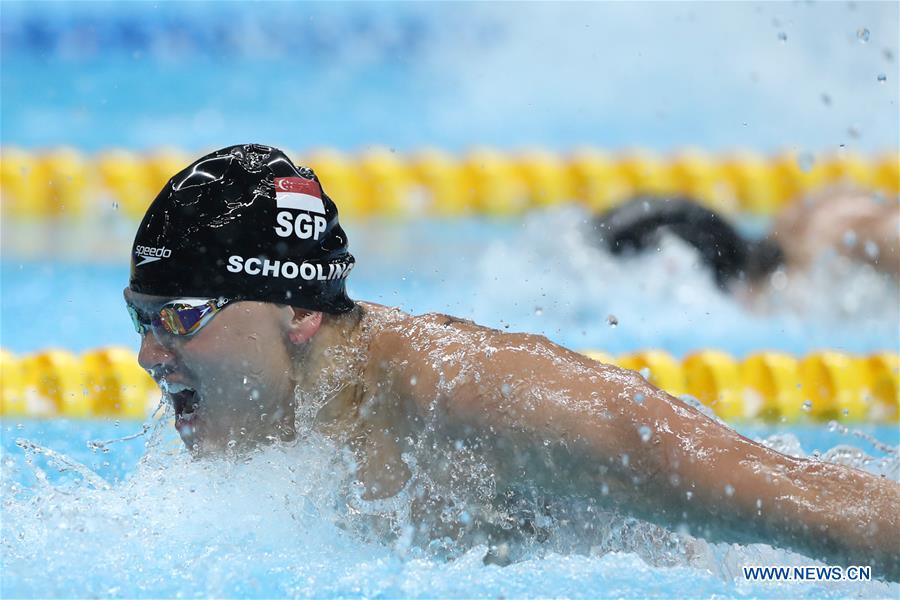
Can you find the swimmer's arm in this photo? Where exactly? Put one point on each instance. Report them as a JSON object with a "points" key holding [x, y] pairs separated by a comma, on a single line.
{"points": [[884, 232], [684, 468], [744, 492], [698, 472]]}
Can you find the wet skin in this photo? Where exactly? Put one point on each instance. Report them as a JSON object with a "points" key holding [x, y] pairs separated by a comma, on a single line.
{"points": [[242, 379], [538, 413], [844, 221]]}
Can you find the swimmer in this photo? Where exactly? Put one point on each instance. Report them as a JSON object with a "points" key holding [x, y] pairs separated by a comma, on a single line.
{"points": [[237, 288], [843, 221]]}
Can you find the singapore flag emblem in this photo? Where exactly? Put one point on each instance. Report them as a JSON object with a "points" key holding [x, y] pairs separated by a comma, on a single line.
{"points": [[299, 193]]}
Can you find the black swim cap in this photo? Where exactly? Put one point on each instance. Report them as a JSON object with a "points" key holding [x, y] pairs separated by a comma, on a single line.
{"points": [[244, 223], [635, 225]]}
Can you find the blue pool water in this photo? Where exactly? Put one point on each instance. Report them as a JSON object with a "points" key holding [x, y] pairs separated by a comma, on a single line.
{"points": [[540, 274], [130, 521], [405, 75]]}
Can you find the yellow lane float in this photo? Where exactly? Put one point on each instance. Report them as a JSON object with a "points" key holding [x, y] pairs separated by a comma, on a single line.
{"points": [[63, 183], [767, 386]]}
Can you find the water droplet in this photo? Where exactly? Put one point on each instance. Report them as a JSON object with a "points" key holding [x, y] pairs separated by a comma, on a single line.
{"points": [[826, 99], [759, 503], [871, 249], [538, 311], [625, 460], [232, 443], [115, 205], [778, 280], [645, 433], [807, 405], [729, 490], [849, 238], [639, 398], [805, 161], [882, 78], [862, 34], [604, 489], [782, 37], [645, 373], [689, 494], [832, 425], [612, 320], [853, 132], [254, 393], [506, 389], [413, 380]]}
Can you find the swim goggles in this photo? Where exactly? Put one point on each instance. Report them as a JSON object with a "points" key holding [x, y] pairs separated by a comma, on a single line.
{"points": [[182, 317]]}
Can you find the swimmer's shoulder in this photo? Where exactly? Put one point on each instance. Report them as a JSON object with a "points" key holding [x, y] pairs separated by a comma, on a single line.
{"points": [[402, 338], [410, 342], [447, 331], [415, 336]]}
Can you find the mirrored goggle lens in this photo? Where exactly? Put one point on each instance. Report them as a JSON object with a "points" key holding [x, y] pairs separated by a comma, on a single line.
{"points": [[180, 317], [185, 319]]}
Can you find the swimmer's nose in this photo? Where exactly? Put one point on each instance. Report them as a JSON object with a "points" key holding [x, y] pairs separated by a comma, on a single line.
{"points": [[154, 356]]}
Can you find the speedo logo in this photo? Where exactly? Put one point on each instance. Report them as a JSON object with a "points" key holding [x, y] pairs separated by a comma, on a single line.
{"points": [[149, 254], [288, 269]]}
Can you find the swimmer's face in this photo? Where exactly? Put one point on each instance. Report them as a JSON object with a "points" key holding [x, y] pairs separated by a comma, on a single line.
{"points": [[230, 381]]}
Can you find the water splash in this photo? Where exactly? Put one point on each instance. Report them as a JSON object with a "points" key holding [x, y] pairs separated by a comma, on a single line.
{"points": [[668, 298], [289, 520]]}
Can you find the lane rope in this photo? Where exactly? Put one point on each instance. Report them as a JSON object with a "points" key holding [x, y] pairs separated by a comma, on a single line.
{"points": [[64, 183], [767, 386]]}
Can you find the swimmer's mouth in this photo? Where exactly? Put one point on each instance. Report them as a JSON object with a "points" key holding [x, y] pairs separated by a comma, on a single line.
{"points": [[185, 400]]}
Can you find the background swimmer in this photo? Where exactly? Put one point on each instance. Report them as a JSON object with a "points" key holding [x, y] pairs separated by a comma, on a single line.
{"points": [[267, 349], [837, 221]]}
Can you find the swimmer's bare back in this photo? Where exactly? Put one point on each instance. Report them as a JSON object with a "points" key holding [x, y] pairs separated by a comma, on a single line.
{"points": [[606, 432], [848, 221]]}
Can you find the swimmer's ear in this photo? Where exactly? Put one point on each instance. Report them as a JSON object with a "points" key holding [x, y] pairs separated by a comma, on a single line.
{"points": [[303, 325]]}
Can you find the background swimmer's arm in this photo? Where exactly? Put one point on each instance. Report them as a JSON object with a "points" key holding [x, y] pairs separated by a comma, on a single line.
{"points": [[649, 453], [848, 221]]}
